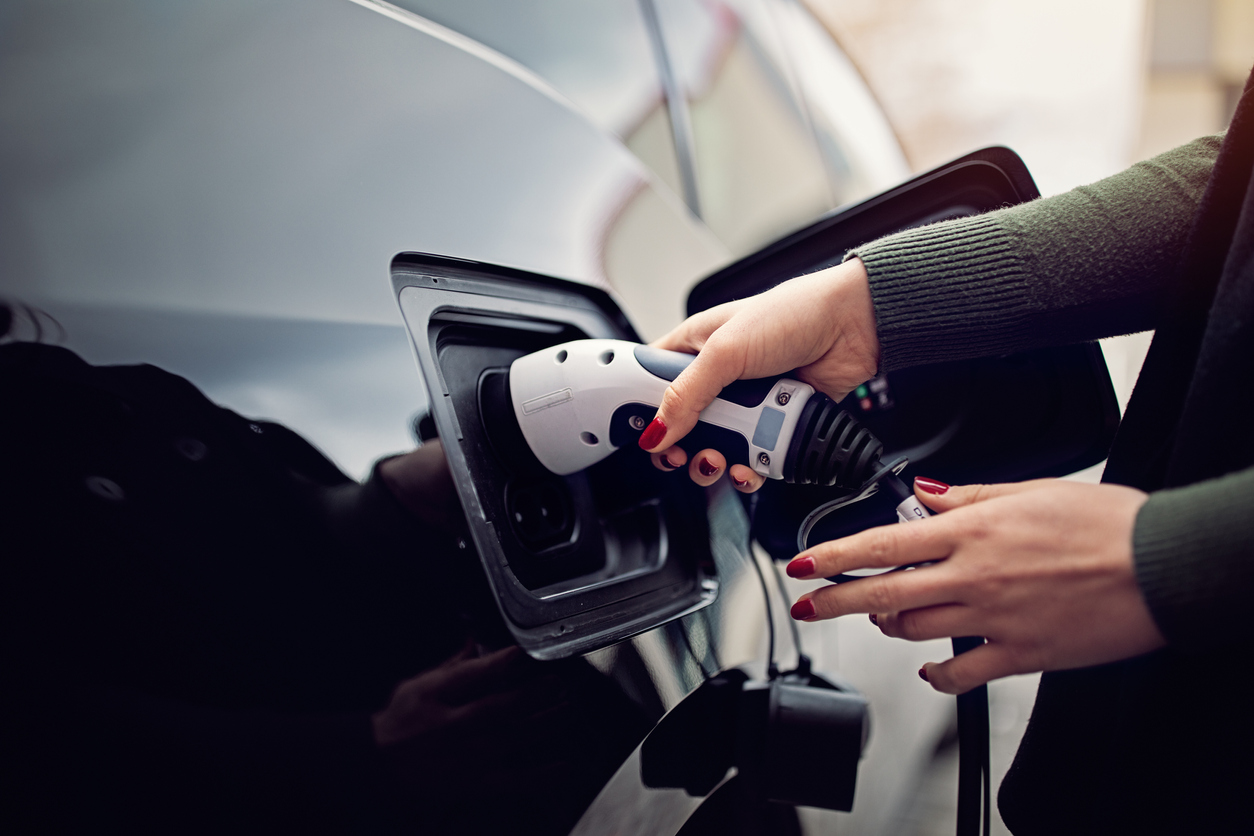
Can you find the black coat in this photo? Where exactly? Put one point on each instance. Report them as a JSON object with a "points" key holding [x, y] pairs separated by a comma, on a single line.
{"points": [[1164, 743], [200, 611]]}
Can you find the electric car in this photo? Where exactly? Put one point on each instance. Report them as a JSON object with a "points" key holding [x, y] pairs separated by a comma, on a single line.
{"points": [[323, 211]]}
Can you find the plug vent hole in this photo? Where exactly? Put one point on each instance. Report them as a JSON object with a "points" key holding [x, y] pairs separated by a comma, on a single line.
{"points": [[561, 356], [606, 358], [589, 439]]}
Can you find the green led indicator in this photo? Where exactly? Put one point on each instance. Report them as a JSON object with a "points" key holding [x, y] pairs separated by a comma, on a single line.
{"points": [[861, 391]]}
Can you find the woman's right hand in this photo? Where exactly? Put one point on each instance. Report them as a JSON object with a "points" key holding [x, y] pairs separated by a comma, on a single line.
{"points": [[822, 325], [463, 729]]}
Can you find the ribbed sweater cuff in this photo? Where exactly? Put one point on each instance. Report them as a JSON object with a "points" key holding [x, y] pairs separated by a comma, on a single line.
{"points": [[947, 291], [1194, 549]]}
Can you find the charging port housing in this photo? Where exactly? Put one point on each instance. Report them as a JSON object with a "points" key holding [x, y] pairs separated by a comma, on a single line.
{"points": [[575, 562]]}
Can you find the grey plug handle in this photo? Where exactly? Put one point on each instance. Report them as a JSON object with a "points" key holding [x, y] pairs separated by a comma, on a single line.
{"points": [[668, 364]]}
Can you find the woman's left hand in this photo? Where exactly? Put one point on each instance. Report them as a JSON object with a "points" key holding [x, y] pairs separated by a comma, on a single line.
{"points": [[1043, 570], [423, 484]]}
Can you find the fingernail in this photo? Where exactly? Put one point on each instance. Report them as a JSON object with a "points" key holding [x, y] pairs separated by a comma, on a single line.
{"points": [[802, 610], [800, 567], [932, 486], [668, 464], [874, 619], [653, 434], [707, 467], [739, 483], [923, 674]]}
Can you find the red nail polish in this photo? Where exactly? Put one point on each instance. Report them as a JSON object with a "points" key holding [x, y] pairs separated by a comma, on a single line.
{"points": [[739, 483], [706, 467], [800, 567], [923, 674], [874, 619], [667, 463], [932, 486], [653, 434], [802, 610]]}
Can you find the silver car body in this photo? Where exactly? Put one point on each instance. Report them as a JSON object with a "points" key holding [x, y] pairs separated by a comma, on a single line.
{"points": [[218, 187]]}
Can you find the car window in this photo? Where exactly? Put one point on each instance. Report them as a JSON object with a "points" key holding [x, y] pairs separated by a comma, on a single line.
{"points": [[758, 168], [859, 147], [595, 52]]}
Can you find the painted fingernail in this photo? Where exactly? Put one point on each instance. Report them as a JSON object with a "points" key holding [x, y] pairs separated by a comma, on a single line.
{"points": [[874, 619], [800, 567], [739, 483], [707, 467], [653, 434], [668, 464], [802, 610], [933, 486], [923, 674]]}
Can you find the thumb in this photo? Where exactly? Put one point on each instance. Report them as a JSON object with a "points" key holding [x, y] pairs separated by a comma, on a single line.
{"points": [[971, 669], [941, 497], [693, 390], [464, 653]]}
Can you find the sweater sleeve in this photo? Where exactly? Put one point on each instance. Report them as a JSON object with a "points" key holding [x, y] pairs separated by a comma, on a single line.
{"points": [[1193, 547], [1078, 266]]}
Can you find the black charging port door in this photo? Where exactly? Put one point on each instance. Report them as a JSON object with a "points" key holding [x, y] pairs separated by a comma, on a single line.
{"points": [[1045, 412], [575, 562]]}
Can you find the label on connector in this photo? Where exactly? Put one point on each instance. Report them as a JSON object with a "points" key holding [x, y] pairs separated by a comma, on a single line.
{"points": [[911, 509], [545, 401], [766, 433]]}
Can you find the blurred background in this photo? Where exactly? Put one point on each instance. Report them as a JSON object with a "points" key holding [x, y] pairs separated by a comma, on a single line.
{"points": [[1080, 90]]}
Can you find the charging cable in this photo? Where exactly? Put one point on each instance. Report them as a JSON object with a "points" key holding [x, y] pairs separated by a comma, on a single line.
{"points": [[974, 777]]}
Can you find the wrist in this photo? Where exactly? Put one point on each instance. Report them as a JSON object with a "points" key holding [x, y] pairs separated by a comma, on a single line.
{"points": [[849, 302]]}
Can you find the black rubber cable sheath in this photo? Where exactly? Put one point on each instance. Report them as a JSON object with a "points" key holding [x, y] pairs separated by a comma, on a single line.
{"points": [[974, 780]]}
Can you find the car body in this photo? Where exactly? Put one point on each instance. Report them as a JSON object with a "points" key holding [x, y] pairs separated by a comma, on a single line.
{"points": [[219, 188]]}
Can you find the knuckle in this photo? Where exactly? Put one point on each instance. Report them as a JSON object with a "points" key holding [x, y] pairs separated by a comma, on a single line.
{"points": [[879, 596], [990, 585], [976, 526], [674, 400], [881, 546], [1029, 658], [978, 493], [908, 627], [726, 352]]}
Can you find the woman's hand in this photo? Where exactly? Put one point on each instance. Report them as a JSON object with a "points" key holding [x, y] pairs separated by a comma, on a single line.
{"points": [[463, 729], [822, 325], [1043, 569], [421, 481]]}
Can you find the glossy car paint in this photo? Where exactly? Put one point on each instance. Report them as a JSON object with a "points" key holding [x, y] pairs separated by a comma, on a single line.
{"points": [[182, 168], [218, 188]]}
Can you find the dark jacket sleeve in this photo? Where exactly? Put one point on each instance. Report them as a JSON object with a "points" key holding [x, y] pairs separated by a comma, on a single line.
{"points": [[1194, 550], [1092, 262]]}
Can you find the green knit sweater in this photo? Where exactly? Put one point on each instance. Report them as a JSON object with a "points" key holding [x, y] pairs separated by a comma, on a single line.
{"points": [[1093, 262]]}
